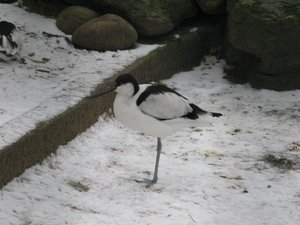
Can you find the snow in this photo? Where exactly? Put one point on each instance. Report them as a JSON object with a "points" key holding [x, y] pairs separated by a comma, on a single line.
{"points": [[208, 176], [213, 175], [194, 29], [50, 75]]}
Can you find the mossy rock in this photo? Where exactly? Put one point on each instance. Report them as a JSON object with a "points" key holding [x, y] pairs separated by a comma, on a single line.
{"points": [[108, 32], [73, 17], [270, 10], [267, 34], [148, 17]]}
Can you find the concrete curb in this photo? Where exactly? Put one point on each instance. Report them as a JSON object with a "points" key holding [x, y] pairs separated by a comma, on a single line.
{"points": [[177, 55]]}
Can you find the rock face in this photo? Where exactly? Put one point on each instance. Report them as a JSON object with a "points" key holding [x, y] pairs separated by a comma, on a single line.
{"points": [[263, 43], [108, 32], [148, 17], [73, 17]]}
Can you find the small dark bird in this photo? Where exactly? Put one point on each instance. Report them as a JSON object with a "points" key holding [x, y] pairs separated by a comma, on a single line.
{"points": [[10, 40], [155, 110]]}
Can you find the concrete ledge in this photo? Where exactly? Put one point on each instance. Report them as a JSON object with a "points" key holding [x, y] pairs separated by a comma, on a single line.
{"points": [[178, 55]]}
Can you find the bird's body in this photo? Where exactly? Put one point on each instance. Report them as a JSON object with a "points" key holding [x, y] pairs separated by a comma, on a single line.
{"points": [[10, 40], [155, 110], [162, 113]]}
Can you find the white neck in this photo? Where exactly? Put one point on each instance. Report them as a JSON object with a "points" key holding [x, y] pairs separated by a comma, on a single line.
{"points": [[126, 90]]}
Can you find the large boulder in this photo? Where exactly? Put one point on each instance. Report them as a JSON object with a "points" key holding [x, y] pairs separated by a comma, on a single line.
{"points": [[108, 32], [73, 17], [266, 34], [148, 17]]}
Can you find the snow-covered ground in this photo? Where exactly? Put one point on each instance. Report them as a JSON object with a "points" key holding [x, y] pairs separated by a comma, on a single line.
{"points": [[50, 74], [243, 170], [217, 175]]}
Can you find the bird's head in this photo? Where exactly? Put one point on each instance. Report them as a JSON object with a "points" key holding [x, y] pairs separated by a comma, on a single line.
{"points": [[125, 84]]}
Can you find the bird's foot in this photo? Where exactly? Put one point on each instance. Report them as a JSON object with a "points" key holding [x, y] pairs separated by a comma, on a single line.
{"points": [[148, 182]]}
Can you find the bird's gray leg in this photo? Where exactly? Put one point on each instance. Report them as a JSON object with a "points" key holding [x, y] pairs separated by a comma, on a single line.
{"points": [[155, 177]]}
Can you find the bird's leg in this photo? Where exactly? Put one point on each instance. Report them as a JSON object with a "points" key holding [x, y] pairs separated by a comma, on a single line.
{"points": [[149, 182]]}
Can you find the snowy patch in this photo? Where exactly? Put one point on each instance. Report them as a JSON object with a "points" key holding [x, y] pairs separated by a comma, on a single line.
{"points": [[194, 29], [176, 36]]}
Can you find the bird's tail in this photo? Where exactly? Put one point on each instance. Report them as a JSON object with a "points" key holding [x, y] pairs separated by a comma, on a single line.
{"points": [[216, 114]]}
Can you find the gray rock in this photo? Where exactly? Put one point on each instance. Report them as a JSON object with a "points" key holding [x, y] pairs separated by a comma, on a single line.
{"points": [[267, 34], [73, 17], [108, 32]]}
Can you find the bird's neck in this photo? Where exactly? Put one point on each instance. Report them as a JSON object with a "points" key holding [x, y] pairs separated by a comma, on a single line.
{"points": [[136, 87], [128, 90]]}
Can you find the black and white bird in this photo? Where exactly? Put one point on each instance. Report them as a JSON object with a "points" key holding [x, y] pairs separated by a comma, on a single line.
{"points": [[155, 110], [10, 40]]}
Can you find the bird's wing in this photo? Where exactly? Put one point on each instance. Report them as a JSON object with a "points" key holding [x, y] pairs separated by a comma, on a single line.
{"points": [[11, 43], [163, 103]]}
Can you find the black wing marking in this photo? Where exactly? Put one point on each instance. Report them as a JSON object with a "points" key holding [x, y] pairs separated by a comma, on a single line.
{"points": [[9, 38], [164, 103], [155, 89], [196, 111]]}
